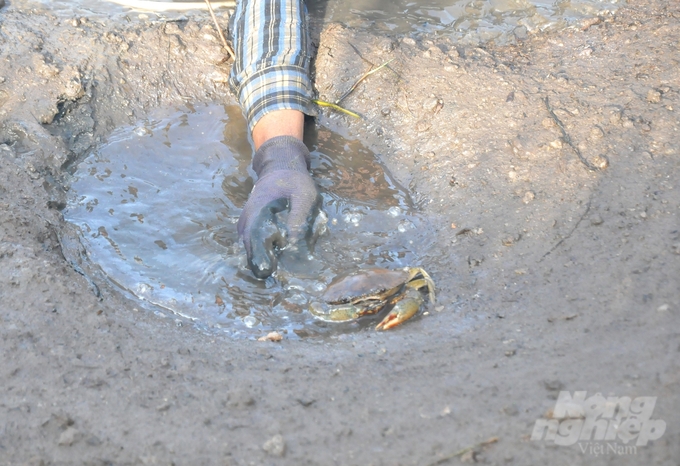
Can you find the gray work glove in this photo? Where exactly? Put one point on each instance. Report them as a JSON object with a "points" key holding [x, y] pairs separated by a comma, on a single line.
{"points": [[284, 183]]}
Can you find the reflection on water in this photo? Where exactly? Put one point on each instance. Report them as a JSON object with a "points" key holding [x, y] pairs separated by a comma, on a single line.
{"points": [[466, 21], [469, 21], [158, 205]]}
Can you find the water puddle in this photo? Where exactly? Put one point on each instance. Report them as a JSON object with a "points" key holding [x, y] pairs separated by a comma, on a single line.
{"points": [[158, 203], [466, 21]]}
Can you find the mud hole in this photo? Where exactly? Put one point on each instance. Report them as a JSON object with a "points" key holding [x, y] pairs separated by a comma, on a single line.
{"points": [[551, 276]]}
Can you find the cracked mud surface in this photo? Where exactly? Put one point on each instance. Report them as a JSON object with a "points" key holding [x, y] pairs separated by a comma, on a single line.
{"points": [[551, 276]]}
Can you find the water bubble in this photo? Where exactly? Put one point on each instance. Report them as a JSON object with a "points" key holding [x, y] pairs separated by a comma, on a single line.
{"points": [[297, 299], [295, 284], [143, 288], [141, 131], [394, 211], [317, 307], [318, 286], [405, 225], [250, 321], [352, 217], [320, 226]]}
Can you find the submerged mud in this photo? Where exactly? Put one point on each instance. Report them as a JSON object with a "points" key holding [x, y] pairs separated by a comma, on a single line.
{"points": [[551, 276]]}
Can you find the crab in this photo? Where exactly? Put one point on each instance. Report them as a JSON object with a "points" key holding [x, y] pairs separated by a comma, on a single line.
{"points": [[370, 291]]}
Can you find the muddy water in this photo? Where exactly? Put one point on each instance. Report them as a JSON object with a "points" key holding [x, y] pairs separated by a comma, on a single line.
{"points": [[158, 203], [469, 21], [466, 21]]}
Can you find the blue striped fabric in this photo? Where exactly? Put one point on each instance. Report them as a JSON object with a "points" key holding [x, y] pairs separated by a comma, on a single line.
{"points": [[271, 72]]}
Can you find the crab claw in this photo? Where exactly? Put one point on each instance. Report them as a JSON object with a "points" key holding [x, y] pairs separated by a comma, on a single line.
{"points": [[401, 312]]}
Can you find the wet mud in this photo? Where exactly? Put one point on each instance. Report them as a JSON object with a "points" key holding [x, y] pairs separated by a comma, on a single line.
{"points": [[540, 179]]}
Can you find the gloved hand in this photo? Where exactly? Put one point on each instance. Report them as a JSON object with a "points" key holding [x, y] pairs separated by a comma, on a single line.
{"points": [[284, 183]]}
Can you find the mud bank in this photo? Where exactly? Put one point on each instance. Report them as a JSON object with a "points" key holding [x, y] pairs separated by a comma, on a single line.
{"points": [[551, 276]]}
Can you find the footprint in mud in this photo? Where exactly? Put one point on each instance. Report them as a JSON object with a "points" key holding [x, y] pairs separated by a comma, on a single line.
{"points": [[157, 206]]}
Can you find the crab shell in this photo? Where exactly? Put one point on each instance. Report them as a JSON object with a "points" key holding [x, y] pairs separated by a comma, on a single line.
{"points": [[367, 284]]}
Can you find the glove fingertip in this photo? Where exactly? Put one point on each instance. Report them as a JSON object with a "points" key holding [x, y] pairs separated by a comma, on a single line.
{"points": [[261, 240], [262, 266]]}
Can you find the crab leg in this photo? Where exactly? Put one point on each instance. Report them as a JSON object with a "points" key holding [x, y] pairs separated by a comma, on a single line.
{"points": [[423, 283], [426, 281], [403, 310], [409, 303], [343, 313]]}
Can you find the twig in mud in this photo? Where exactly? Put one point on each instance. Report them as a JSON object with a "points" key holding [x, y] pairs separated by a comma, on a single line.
{"points": [[370, 62], [405, 106], [567, 139], [364, 76], [465, 450], [227, 47], [322, 103], [336, 105], [359, 53], [570, 233]]}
